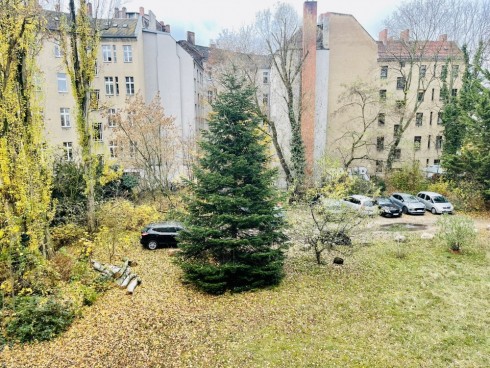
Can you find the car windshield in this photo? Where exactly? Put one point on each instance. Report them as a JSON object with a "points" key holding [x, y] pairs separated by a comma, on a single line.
{"points": [[384, 202], [411, 199], [440, 199]]}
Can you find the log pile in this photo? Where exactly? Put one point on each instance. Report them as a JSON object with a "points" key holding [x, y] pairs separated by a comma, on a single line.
{"points": [[122, 276]]}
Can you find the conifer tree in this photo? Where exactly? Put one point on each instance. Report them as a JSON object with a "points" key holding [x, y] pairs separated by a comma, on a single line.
{"points": [[234, 238]]}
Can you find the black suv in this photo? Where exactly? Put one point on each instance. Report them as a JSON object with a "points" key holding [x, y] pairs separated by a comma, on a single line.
{"points": [[162, 233]]}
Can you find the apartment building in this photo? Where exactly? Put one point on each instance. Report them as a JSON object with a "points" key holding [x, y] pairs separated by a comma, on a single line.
{"points": [[137, 54]]}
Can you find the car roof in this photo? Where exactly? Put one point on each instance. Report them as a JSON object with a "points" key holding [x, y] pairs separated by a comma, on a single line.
{"points": [[431, 193], [358, 196], [166, 224], [403, 194]]}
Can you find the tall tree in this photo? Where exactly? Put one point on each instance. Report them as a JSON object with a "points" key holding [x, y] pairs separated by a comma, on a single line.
{"points": [[80, 37], [467, 128], [25, 176], [272, 42], [234, 229]]}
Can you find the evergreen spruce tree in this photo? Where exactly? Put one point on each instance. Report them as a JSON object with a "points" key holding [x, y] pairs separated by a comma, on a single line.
{"points": [[234, 237]]}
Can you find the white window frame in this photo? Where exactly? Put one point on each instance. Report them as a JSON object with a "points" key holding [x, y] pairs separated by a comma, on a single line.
{"points": [[68, 148], [62, 82], [97, 128], [109, 86], [111, 117], [107, 53], [265, 77], [128, 53], [65, 117], [130, 86], [57, 50], [113, 148]]}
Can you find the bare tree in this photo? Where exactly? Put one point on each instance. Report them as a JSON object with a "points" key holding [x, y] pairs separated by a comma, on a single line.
{"points": [[149, 142], [359, 110], [465, 21]]}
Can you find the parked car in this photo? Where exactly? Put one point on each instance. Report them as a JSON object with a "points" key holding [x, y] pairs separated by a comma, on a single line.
{"points": [[363, 204], [388, 208], [435, 202], [408, 203], [160, 234]]}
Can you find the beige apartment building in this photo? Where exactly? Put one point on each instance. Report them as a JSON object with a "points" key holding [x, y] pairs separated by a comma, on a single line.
{"points": [[137, 54]]}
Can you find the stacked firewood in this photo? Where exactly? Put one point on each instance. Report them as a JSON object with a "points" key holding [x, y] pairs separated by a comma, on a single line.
{"points": [[122, 276]]}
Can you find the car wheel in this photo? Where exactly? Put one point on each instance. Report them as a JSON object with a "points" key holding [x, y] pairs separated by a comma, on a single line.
{"points": [[405, 210], [152, 245], [433, 210]]}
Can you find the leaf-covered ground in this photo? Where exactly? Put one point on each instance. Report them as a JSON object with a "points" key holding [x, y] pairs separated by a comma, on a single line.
{"points": [[420, 306]]}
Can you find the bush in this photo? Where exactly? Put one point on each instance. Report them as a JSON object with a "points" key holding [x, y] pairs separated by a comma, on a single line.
{"points": [[67, 234], [409, 179], [456, 231], [35, 318], [465, 196]]}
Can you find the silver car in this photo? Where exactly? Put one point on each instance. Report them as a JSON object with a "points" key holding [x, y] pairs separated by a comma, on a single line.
{"points": [[435, 202], [408, 203]]}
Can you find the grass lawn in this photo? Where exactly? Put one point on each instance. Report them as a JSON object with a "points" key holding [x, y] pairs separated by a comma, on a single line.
{"points": [[390, 305]]}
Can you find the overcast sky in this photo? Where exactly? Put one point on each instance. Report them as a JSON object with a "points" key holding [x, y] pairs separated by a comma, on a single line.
{"points": [[207, 17]]}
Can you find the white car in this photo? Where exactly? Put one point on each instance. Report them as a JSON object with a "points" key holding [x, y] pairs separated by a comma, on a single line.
{"points": [[435, 202], [365, 205]]}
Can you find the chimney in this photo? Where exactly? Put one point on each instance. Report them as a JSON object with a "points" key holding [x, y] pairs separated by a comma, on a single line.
{"points": [[383, 36], [116, 13], [405, 35], [443, 38], [166, 29], [308, 82], [123, 13], [89, 9], [191, 37], [142, 11]]}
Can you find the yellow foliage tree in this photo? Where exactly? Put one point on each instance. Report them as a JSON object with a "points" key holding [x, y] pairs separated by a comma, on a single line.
{"points": [[25, 174]]}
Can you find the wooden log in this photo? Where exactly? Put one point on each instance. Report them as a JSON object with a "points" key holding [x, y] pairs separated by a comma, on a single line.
{"points": [[102, 268], [127, 280], [121, 279], [122, 269], [132, 285]]}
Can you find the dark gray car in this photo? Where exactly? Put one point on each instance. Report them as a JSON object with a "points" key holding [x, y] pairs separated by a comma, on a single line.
{"points": [[160, 234]]}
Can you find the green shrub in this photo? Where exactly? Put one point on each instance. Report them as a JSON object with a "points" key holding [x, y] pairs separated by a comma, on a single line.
{"points": [[456, 231], [35, 318], [67, 234], [409, 179]]}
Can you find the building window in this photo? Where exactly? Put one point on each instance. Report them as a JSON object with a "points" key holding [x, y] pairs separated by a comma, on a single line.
{"points": [[439, 118], [400, 104], [402, 64], [433, 94], [65, 117], [423, 71], [116, 82], [455, 71], [382, 94], [128, 53], [437, 162], [420, 96], [68, 148], [113, 148], [400, 83], [132, 149], [94, 99], [210, 97], [419, 117], [97, 133], [417, 142], [380, 143], [396, 130], [62, 83], [427, 162], [107, 53], [130, 85], [381, 119], [114, 53], [454, 92], [443, 71], [111, 118], [428, 141], [384, 72], [57, 50], [265, 77], [379, 166], [96, 65], [430, 119], [439, 142], [398, 153], [265, 98], [109, 85]]}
